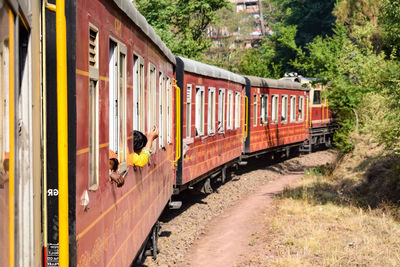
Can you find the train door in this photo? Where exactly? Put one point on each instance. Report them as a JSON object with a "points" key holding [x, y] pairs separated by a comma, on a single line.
{"points": [[19, 193], [5, 194]]}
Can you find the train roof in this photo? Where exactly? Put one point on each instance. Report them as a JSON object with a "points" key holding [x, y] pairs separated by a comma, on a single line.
{"points": [[280, 84], [211, 71], [130, 10]]}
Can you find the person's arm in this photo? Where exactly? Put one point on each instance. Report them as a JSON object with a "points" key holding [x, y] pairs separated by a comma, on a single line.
{"points": [[117, 178]]}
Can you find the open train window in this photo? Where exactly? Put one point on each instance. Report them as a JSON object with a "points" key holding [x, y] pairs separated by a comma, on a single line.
{"points": [[264, 109], [274, 109], [230, 111], [199, 110], [237, 110], [317, 97], [292, 108], [169, 112], [221, 110], [152, 100], [138, 93], [117, 97], [188, 109], [284, 109], [93, 109], [211, 110], [301, 108], [255, 110], [161, 98]]}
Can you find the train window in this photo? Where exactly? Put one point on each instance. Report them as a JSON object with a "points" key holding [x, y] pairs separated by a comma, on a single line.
{"points": [[93, 47], [229, 125], [199, 110], [221, 110], [292, 108], [255, 110], [122, 106], [138, 93], [93, 135], [317, 97], [237, 110], [117, 91], [169, 105], [284, 109], [113, 97], [274, 109], [264, 109], [161, 97], [301, 108], [211, 110], [188, 109], [93, 110], [152, 97]]}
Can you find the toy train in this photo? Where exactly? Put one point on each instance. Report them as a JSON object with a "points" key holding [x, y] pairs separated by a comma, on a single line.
{"points": [[77, 77]]}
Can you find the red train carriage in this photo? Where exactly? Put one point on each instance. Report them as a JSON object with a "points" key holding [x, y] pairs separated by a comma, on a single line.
{"points": [[212, 121], [277, 115], [321, 125], [123, 75]]}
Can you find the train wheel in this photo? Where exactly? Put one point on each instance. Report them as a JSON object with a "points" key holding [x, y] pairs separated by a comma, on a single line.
{"points": [[223, 174], [154, 240], [328, 142]]}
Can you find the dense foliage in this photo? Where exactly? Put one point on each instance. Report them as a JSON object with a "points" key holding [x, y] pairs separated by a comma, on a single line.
{"points": [[357, 57], [352, 45], [181, 24]]}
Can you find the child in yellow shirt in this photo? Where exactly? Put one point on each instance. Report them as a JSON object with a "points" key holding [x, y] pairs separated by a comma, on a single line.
{"points": [[142, 147]]}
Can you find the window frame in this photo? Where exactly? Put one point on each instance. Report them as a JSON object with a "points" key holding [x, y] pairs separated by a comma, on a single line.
{"points": [[292, 117], [199, 119], [255, 109], [211, 111], [169, 111], [221, 110], [152, 100], [229, 112], [138, 93], [188, 107], [319, 97], [274, 108], [238, 104], [93, 108], [161, 88], [301, 109], [284, 96], [119, 112]]}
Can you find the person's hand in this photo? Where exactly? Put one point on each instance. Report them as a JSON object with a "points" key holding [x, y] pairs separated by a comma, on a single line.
{"points": [[116, 178], [153, 134]]}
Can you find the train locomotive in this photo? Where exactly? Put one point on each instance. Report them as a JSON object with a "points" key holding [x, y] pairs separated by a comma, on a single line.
{"points": [[77, 78]]}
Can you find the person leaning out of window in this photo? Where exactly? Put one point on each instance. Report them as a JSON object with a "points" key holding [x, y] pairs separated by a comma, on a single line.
{"points": [[140, 156]]}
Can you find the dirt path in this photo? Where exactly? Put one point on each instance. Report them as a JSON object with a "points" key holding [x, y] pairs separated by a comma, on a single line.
{"points": [[216, 229], [230, 234]]}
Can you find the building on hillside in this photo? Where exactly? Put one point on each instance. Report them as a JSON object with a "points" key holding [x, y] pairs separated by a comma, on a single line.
{"points": [[247, 36]]}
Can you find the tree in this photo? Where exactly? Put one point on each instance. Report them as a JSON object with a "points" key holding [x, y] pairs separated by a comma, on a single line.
{"points": [[312, 17], [181, 24]]}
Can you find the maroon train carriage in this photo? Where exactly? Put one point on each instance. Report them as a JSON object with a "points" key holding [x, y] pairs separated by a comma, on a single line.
{"points": [[212, 121], [277, 115], [321, 125], [124, 81]]}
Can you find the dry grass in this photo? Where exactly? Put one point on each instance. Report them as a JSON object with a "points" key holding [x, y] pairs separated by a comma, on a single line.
{"points": [[345, 214], [330, 235]]}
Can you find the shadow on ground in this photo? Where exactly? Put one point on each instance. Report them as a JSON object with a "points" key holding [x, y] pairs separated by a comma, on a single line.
{"points": [[377, 189]]}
